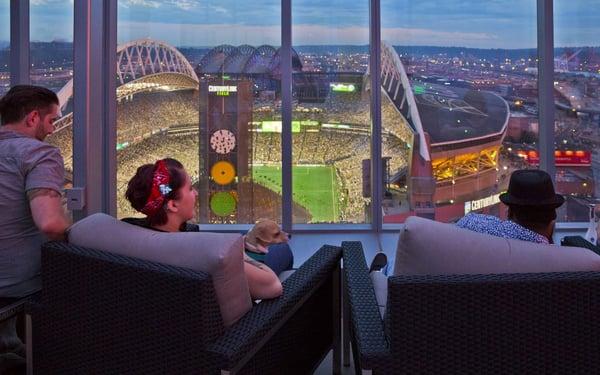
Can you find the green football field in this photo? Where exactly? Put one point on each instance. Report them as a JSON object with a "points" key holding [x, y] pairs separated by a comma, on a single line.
{"points": [[314, 187]]}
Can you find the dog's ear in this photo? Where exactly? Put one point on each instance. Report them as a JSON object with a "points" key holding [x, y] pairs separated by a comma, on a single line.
{"points": [[262, 233]]}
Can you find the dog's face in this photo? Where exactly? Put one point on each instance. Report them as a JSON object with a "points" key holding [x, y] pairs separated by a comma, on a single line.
{"points": [[268, 232]]}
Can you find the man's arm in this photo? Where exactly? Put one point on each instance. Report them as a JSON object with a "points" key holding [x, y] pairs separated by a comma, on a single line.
{"points": [[48, 214]]}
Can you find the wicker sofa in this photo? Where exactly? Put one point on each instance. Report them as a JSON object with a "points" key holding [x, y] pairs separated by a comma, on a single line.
{"points": [[103, 313], [506, 323]]}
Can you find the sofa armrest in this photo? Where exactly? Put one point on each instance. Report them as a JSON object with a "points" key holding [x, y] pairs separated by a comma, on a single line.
{"points": [[369, 340], [578, 241], [246, 337]]}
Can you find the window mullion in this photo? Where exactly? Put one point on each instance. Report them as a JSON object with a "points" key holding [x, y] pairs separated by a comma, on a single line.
{"points": [[19, 42], [545, 41], [286, 113], [375, 77]]}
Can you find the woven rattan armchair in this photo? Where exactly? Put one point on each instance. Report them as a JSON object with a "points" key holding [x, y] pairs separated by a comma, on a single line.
{"points": [[102, 313], [545, 323]]}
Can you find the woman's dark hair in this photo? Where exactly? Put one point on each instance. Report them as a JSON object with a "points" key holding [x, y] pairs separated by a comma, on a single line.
{"points": [[140, 186], [22, 99]]}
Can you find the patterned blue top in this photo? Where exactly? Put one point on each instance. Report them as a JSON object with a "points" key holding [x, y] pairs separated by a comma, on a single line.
{"points": [[492, 225]]}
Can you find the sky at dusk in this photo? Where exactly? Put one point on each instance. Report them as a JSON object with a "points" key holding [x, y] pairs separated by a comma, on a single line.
{"points": [[466, 23]]}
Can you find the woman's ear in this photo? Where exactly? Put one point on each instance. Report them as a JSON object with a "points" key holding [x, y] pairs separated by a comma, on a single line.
{"points": [[172, 206]]}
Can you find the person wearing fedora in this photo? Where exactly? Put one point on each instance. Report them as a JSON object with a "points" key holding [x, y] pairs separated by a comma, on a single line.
{"points": [[532, 204]]}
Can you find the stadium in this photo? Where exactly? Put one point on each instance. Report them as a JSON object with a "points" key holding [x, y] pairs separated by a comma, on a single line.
{"points": [[441, 144]]}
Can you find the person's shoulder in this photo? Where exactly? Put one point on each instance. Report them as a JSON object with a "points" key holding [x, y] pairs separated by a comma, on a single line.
{"points": [[477, 218], [41, 146], [519, 232], [34, 149]]}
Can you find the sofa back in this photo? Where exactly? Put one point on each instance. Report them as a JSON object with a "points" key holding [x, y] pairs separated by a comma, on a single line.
{"points": [[218, 254], [427, 247]]}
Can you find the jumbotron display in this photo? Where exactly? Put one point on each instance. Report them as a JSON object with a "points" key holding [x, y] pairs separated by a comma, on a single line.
{"points": [[225, 116]]}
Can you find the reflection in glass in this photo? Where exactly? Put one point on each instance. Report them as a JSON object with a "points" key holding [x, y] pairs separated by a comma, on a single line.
{"points": [[200, 82], [4, 46], [459, 101], [51, 57], [577, 106], [331, 117]]}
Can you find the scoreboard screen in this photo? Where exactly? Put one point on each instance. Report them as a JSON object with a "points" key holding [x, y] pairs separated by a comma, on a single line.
{"points": [[342, 87]]}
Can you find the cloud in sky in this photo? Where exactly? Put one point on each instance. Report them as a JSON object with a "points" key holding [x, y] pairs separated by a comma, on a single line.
{"points": [[49, 2], [470, 23], [143, 3], [211, 35], [415, 37], [200, 35], [181, 4]]}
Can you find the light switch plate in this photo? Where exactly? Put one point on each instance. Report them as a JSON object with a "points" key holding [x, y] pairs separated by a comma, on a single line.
{"points": [[75, 198]]}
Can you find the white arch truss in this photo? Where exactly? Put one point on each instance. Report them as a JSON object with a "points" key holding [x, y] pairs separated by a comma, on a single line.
{"points": [[139, 58], [397, 87]]}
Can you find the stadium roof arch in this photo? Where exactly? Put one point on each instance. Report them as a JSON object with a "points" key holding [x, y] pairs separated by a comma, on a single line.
{"points": [[144, 64], [245, 59], [451, 117], [397, 87], [260, 60]]}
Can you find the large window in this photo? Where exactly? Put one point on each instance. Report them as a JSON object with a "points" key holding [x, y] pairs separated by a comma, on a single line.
{"points": [[200, 82], [51, 58], [331, 125], [51, 44], [4, 46], [577, 106], [459, 104]]}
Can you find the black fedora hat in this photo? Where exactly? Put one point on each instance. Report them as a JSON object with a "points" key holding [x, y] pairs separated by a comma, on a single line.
{"points": [[531, 187]]}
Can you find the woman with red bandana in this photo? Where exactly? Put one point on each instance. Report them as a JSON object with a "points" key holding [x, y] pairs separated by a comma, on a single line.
{"points": [[163, 192]]}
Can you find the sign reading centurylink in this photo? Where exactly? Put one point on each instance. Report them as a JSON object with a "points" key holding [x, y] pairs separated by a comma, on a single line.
{"points": [[482, 203], [222, 90]]}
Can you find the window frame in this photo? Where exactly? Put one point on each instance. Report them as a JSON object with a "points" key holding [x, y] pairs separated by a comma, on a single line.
{"points": [[95, 107]]}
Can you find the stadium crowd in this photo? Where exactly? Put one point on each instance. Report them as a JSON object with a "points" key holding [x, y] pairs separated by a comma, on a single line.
{"points": [[393, 122], [150, 112], [138, 118], [144, 118]]}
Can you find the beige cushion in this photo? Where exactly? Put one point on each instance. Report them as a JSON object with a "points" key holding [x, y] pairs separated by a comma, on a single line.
{"points": [[428, 247], [218, 254]]}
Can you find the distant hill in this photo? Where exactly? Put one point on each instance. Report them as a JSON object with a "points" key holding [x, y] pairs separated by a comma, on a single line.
{"points": [[332, 49], [49, 53], [489, 54]]}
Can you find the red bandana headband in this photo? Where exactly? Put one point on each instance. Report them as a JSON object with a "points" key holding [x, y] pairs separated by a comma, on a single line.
{"points": [[160, 189]]}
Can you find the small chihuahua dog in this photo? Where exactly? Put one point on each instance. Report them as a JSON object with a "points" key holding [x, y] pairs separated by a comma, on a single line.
{"points": [[264, 233]]}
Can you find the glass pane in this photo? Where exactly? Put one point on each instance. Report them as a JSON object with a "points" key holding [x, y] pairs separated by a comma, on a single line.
{"points": [[4, 46], [331, 117], [197, 82], [577, 106], [51, 57], [459, 104]]}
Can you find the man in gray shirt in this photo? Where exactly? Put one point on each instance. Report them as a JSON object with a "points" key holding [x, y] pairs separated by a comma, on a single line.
{"points": [[31, 180]]}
